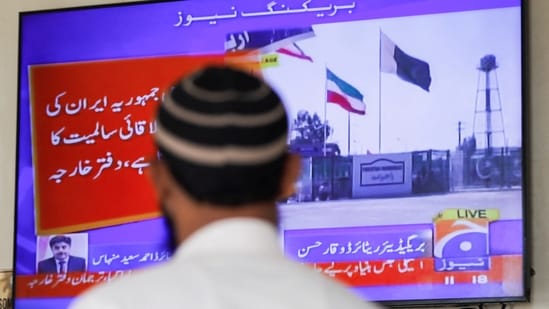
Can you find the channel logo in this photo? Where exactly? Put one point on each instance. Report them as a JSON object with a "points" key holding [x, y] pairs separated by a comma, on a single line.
{"points": [[461, 239]]}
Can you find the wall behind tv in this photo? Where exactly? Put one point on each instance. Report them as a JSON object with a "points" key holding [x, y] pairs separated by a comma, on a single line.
{"points": [[538, 126], [9, 23]]}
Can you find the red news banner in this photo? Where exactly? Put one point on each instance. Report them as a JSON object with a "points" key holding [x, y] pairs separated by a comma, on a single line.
{"points": [[92, 126], [505, 270]]}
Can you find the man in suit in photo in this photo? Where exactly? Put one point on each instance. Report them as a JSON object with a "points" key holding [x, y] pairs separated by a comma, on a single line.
{"points": [[61, 262]]}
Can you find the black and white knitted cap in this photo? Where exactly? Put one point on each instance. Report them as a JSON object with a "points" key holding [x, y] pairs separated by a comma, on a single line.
{"points": [[220, 122]]}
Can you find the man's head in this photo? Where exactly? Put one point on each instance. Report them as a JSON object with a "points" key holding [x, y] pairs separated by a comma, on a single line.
{"points": [[60, 246], [222, 134], [222, 141]]}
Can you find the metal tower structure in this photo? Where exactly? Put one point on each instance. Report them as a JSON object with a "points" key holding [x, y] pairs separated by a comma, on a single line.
{"points": [[486, 121]]}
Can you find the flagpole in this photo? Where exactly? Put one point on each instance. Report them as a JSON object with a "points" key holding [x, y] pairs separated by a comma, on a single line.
{"points": [[325, 103], [348, 133], [379, 95]]}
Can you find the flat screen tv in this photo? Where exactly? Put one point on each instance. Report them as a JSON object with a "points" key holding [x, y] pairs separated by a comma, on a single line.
{"points": [[408, 115]]}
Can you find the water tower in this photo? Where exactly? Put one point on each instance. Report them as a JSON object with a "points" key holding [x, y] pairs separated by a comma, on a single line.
{"points": [[488, 119]]}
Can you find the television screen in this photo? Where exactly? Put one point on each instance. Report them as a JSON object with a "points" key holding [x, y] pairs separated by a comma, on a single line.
{"points": [[407, 114]]}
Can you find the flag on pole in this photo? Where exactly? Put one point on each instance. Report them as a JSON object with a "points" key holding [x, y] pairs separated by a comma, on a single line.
{"points": [[276, 40], [294, 51], [394, 60], [342, 93]]}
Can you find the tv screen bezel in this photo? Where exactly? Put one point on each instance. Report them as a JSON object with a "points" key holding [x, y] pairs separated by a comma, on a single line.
{"points": [[526, 164]]}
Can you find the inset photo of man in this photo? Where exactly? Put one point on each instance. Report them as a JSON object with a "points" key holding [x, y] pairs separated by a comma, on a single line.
{"points": [[62, 253]]}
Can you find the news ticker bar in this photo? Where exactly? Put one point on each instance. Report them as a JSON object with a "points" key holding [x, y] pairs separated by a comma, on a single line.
{"points": [[460, 237], [355, 274], [312, 246], [420, 271]]}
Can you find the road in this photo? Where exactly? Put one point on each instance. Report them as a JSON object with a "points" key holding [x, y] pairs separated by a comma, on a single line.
{"points": [[394, 211]]}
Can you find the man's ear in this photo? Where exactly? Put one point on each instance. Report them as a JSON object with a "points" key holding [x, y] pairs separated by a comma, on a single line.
{"points": [[160, 179], [292, 168]]}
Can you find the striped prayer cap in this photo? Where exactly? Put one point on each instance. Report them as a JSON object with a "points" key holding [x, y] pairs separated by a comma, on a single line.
{"points": [[223, 132]]}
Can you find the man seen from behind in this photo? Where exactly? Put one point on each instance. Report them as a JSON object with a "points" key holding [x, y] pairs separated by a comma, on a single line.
{"points": [[223, 164]]}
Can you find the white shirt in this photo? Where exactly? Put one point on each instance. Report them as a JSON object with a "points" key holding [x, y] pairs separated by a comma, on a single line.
{"points": [[232, 263]]}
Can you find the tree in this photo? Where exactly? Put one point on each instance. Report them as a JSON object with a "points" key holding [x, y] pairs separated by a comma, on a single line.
{"points": [[307, 129]]}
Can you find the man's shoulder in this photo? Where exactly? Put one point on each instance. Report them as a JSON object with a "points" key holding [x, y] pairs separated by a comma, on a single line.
{"points": [[77, 263], [77, 258], [121, 291], [334, 293], [46, 261], [47, 265]]}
